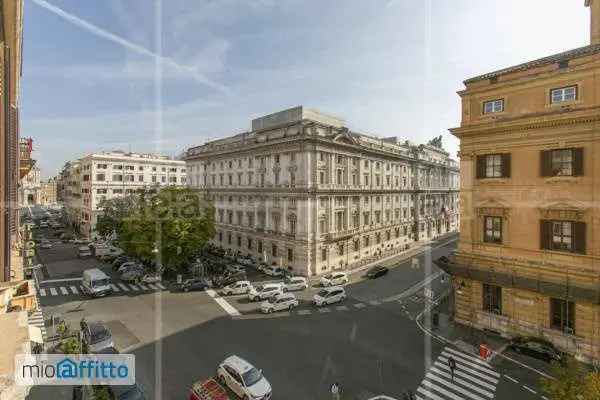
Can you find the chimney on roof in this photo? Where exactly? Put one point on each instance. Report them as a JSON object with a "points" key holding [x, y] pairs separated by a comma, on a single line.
{"points": [[594, 6]]}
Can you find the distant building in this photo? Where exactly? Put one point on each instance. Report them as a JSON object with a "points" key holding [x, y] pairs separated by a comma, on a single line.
{"points": [[30, 188], [84, 183], [303, 191], [48, 192], [528, 258]]}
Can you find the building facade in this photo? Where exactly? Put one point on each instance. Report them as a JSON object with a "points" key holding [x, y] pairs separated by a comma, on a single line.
{"points": [[48, 192], [11, 36], [30, 189], [85, 183], [528, 258], [302, 191]]}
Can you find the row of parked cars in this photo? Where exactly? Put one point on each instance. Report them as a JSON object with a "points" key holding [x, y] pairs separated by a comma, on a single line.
{"points": [[131, 270]]}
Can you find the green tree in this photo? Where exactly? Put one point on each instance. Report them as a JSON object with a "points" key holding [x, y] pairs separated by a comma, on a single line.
{"points": [[101, 393], [592, 386], [173, 224], [71, 346], [568, 382], [113, 212]]}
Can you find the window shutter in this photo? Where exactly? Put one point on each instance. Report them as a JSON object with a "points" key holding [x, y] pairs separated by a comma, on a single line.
{"points": [[546, 163], [506, 165], [545, 234], [579, 242], [578, 161], [480, 167]]}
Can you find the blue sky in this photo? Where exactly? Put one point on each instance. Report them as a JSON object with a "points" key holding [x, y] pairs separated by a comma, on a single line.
{"points": [[388, 67]]}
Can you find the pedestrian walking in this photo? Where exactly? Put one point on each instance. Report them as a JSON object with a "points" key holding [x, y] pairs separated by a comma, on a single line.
{"points": [[335, 391], [452, 365]]}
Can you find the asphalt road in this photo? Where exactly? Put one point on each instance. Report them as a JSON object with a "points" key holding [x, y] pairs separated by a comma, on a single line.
{"points": [[375, 348]]}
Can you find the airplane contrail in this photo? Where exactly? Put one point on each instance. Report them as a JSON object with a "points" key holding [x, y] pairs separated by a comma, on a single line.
{"points": [[193, 72]]}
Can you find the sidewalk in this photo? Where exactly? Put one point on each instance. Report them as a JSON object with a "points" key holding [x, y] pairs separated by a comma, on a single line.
{"points": [[464, 337]]}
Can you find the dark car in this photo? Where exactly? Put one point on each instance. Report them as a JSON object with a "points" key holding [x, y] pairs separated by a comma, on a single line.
{"points": [[190, 285], [228, 279], [377, 271], [537, 348], [95, 336], [119, 261]]}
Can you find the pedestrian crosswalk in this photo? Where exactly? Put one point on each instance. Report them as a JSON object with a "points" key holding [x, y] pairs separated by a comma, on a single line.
{"points": [[70, 290], [472, 378], [37, 319]]}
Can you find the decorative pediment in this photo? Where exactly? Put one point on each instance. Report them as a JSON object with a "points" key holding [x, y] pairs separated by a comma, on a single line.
{"points": [[345, 137], [563, 210], [493, 207]]}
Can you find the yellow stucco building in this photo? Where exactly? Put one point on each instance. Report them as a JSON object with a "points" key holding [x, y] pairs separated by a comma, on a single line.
{"points": [[528, 259]]}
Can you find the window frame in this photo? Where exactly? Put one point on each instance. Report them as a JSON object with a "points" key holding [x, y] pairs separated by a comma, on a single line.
{"points": [[491, 238], [563, 318], [493, 109], [563, 89]]}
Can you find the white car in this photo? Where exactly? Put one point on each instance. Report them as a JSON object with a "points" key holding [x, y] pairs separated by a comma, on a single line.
{"points": [[329, 296], [125, 266], [273, 270], [152, 278], [244, 379], [240, 287], [265, 291], [279, 302], [45, 245], [296, 283], [334, 279]]}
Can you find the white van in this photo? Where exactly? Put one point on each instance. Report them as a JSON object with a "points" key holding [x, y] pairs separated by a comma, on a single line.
{"points": [[96, 283], [84, 252]]}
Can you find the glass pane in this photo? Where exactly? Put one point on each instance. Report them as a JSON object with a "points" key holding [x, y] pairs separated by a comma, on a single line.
{"points": [[566, 226]]}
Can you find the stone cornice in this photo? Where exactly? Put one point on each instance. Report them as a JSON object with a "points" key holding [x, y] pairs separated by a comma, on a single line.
{"points": [[540, 121]]}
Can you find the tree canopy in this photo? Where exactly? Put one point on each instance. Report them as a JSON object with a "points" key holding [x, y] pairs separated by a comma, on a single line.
{"points": [[113, 212], [168, 227], [572, 381]]}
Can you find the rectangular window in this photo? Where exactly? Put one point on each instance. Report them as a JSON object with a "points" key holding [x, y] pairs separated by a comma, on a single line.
{"points": [[562, 235], [493, 106], [492, 231], [323, 254], [117, 178], [290, 255], [562, 162], [493, 166], [260, 246], [492, 299], [560, 95], [100, 177], [274, 250], [562, 315]]}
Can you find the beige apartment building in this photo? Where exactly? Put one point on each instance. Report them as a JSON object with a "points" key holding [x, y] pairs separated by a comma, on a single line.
{"points": [[48, 192], [86, 182], [528, 258], [302, 191]]}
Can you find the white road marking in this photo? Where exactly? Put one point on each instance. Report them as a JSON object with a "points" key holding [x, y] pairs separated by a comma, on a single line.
{"points": [[60, 280], [374, 302], [160, 285], [530, 389], [469, 357], [476, 366], [416, 287], [463, 367], [428, 394], [43, 292], [466, 376], [124, 287], [151, 286], [453, 386], [74, 289], [229, 309], [324, 310], [304, 312], [114, 287], [53, 291], [359, 305], [441, 390], [64, 290], [510, 378], [342, 308], [142, 286], [133, 287], [462, 382]]}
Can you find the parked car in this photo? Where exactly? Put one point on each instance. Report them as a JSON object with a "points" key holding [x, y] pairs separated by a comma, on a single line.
{"points": [[244, 260], [190, 285], [284, 301], [334, 279], [236, 269], [273, 270], [127, 265], [84, 252], [80, 241], [240, 287], [228, 279], [538, 348], [151, 278], [245, 380], [295, 283], [261, 266], [133, 274], [95, 336], [265, 291], [120, 260], [329, 295], [377, 271]]}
